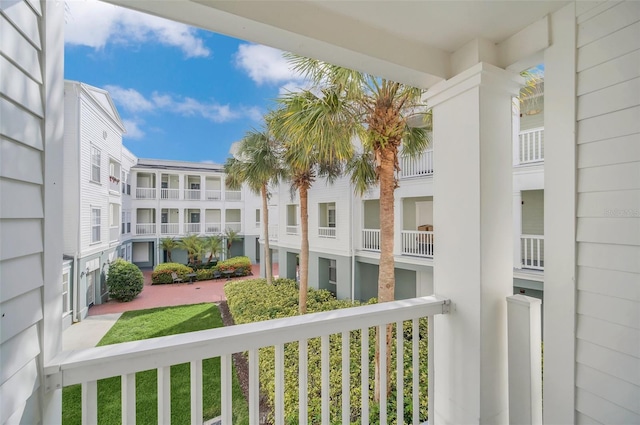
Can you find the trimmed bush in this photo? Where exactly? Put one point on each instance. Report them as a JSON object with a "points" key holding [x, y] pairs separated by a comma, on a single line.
{"points": [[204, 274], [124, 281], [253, 300], [235, 263], [162, 272]]}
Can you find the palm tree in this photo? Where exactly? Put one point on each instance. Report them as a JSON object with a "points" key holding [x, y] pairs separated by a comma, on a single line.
{"points": [[375, 110], [230, 235], [168, 244], [193, 245], [314, 144], [257, 163], [212, 244]]}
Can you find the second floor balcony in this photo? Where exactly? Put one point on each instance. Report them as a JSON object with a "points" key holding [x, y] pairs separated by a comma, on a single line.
{"points": [[419, 166], [531, 146]]}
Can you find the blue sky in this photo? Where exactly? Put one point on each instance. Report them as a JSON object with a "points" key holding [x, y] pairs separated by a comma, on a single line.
{"points": [[182, 93]]}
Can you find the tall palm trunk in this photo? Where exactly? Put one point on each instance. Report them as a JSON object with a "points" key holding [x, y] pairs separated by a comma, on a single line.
{"points": [[304, 249], [386, 276], [265, 222]]}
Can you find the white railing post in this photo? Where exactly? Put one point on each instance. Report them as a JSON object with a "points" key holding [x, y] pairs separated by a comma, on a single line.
{"points": [[525, 360]]}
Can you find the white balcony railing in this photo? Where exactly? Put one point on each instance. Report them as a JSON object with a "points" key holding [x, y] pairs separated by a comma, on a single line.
{"points": [[532, 250], [213, 195], [192, 194], [273, 233], [87, 366], [293, 229], [531, 143], [191, 228], [417, 243], [170, 228], [421, 165], [114, 184], [114, 233], [145, 193], [169, 193], [233, 195], [145, 228], [215, 228], [235, 226], [371, 239], [326, 232]]}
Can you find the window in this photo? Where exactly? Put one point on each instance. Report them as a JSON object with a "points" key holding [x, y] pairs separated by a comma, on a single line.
{"points": [[195, 186], [95, 225], [124, 219], [257, 218], [331, 215], [333, 274], [95, 164], [165, 185], [66, 296], [195, 217]]}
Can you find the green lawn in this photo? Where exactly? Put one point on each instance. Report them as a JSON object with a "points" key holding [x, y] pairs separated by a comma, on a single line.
{"points": [[144, 324]]}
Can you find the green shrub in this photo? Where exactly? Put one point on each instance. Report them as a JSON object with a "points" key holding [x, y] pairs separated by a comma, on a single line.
{"points": [[253, 300], [124, 281], [204, 274], [235, 263], [162, 272]]}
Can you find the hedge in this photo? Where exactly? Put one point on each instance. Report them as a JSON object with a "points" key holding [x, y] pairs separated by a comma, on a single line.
{"points": [[124, 281], [253, 300], [162, 272]]}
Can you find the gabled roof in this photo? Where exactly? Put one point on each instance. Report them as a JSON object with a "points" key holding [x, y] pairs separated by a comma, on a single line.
{"points": [[103, 100]]}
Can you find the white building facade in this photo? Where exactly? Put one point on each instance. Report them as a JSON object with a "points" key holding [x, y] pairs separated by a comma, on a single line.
{"points": [[591, 190]]}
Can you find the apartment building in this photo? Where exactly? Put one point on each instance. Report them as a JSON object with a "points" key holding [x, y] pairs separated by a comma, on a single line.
{"points": [[117, 205], [591, 194], [344, 227]]}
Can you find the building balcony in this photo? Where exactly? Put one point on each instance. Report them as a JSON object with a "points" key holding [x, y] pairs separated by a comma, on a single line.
{"points": [[145, 193], [419, 166], [213, 195], [417, 243], [233, 195], [192, 194], [293, 229], [273, 233], [213, 228], [169, 193], [169, 228], [235, 226], [145, 228], [532, 252], [371, 240], [191, 228], [87, 366], [114, 184], [327, 232], [531, 146]]}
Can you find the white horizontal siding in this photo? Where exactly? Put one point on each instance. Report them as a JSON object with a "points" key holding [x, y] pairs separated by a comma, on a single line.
{"points": [[24, 16], [619, 392], [616, 44], [26, 271], [609, 152], [606, 204], [15, 391], [20, 237], [613, 98], [616, 337], [16, 46], [26, 94], [23, 127], [609, 177], [13, 158], [26, 199], [18, 351], [609, 256], [619, 284], [612, 309], [19, 313], [608, 126], [614, 363], [623, 68], [602, 410], [613, 230], [607, 22]]}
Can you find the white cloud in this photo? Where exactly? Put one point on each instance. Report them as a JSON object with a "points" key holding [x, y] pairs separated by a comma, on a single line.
{"points": [[264, 64], [136, 103], [94, 23], [133, 130]]}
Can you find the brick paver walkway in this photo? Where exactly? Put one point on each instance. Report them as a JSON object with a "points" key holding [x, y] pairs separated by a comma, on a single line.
{"points": [[173, 294]]}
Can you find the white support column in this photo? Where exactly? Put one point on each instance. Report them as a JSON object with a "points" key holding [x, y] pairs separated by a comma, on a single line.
{"points": [[474, 267], [515, 125], [517, 229], [525, 360], [202, 187], [398, 225], [181, 220], [181, 187]]}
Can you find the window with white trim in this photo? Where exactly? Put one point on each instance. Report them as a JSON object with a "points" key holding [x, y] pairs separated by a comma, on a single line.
{"points": [[95, 225], [333, 273], [95, 164], [257, 217], [66, 295]]}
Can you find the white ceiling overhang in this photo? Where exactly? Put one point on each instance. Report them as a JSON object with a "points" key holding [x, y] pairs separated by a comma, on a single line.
{"points": [[414, 42]]}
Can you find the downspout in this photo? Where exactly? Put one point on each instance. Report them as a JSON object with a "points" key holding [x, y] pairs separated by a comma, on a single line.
{"points": [[353, 256], [76, 271]]}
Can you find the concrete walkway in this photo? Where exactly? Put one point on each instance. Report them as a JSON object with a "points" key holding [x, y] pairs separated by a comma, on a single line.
{"points": [[88, 332]]}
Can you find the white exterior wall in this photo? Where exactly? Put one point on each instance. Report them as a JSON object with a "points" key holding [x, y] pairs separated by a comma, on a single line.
{"points": [[607, 368], [31, 111]]}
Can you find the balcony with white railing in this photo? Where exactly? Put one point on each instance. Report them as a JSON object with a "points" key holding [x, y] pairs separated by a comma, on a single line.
{"points": [[417, 243], [169, 228], [293, 229], [233, 195], [169, 193], [213, 228], [145, 193], [327, 232], [532, 251], [342, 327], [145, 228], [371, 239], [191, 228], [235, 226], [192, 194], [213, 195], [273, 233], [421, 165], [531, 145]]}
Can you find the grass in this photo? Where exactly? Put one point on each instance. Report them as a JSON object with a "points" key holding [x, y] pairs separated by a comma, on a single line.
{"points": [[156, 322]]}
